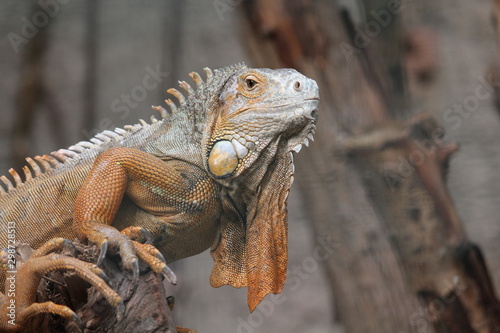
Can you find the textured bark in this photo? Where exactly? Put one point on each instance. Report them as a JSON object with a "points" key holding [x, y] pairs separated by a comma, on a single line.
{"points": [[375, 185]]}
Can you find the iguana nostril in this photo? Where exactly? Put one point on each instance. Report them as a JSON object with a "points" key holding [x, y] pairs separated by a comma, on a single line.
{"points": [[297, 86]]}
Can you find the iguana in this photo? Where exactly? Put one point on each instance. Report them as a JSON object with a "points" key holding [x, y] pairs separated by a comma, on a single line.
{"points": [[214, 172]]}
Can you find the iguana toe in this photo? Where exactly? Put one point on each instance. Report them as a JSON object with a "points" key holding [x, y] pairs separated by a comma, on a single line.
{"points": [[155, 260], [34, 309], [136, 233], [54, 244], [107, 236]]}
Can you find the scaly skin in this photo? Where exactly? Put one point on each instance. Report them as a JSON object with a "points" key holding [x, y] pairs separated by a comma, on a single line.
{"points": [[215, 172]]}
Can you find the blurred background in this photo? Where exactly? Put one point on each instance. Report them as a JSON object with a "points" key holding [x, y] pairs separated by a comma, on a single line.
{"points": [[387, 219]]}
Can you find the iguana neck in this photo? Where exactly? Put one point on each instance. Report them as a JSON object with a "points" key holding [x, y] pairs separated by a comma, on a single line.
{"points": [[244, 189]]}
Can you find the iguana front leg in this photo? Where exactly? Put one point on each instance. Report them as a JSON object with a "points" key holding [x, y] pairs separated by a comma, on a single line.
{"points": [[173, 191]]}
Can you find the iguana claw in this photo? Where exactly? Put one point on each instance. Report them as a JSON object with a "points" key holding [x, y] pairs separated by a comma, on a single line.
{"points": [[169, 275], [166, 271], [120, 311], [68, 246], [102, 253], [161, 257], [104, 276], [78, 322], [147, 236], [135, 271], [134, 263]]}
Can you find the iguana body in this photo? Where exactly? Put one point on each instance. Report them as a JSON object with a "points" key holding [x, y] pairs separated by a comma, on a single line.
{"points": [[215, 172]]}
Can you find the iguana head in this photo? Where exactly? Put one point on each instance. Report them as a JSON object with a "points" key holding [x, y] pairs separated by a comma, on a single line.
{"points": [[254, 108]]}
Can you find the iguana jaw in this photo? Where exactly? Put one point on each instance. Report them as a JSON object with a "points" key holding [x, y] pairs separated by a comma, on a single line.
{"points": [[310, 111]]}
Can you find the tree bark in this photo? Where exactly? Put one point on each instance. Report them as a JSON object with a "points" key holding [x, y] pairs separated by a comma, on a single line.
{"points": [[373, 182]]}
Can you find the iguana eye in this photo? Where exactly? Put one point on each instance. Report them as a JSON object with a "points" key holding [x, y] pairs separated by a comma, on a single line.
{"points": [[250, 83]]}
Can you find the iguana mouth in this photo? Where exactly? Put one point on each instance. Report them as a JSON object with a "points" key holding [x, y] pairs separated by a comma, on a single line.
{"points": [[308, 137], [307, 133], [269, 107]]}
